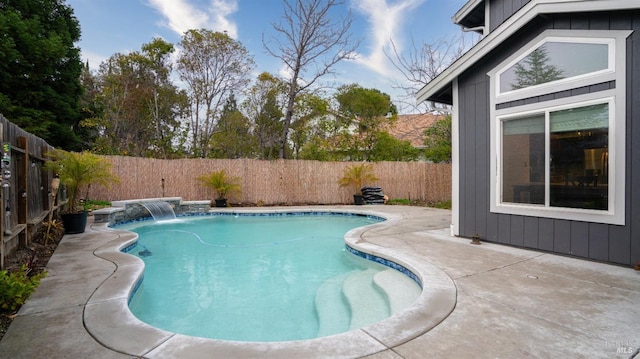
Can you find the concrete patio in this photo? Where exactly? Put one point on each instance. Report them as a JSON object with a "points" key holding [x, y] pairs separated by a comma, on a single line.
{"points": [[507, 303]]}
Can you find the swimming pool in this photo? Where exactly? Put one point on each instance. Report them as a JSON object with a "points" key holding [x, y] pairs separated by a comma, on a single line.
{"points": [[258, 278]]}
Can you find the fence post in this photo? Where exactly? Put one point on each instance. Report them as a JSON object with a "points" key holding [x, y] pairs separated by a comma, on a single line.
{"points": [[22, 184], [2, 200]]}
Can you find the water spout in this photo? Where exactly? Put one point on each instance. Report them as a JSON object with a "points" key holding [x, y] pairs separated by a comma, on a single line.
{"points": [[159, 210]]}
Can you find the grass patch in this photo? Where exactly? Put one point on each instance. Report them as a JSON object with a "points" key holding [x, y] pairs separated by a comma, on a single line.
{"points": [[408, 202], [94, 204]]}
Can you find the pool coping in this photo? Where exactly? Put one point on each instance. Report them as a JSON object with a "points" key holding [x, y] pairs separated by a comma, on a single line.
{"points": [[108, 320]]}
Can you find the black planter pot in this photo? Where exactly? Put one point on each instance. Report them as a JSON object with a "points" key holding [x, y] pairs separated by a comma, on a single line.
{"points": [[221, 202], [358, 199], [74, 222]]}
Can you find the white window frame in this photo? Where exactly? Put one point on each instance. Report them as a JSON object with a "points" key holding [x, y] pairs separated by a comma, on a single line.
{"points": [[615, 214], [599, 76]]}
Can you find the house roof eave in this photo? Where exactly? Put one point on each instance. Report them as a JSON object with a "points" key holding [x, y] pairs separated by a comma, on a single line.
{"points": [[465, 11], [508, 28]]}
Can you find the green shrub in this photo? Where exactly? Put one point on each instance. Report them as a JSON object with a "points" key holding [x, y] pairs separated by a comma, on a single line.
{"points": [[16, 287]]}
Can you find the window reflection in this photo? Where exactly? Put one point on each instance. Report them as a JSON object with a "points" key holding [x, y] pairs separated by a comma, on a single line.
{"points": [[523, 160], [555, 61], [579, 158]]}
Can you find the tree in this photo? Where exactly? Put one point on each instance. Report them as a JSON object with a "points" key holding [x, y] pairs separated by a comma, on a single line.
{"points": [[329, 139], [369, 110], [212, 65], [167, 104], [534, 70], [142, 107], [309, 116], [389, 148], [309, 46], [90, 106], [263, 107], [438, 141], [40, 69], [125, 88], [232, 137]]}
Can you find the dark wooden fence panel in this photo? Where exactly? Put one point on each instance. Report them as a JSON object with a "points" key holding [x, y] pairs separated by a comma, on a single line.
{"points": [[25, 194]]}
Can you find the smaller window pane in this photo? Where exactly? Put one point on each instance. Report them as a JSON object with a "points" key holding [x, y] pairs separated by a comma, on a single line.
{"points": [[523, 164], [579, 142], [555, 61]]}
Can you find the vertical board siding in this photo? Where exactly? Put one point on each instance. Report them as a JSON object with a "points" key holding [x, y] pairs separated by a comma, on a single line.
{"points": [[599, 241], [501, 10], [545, 234], [482, 153], [633, 141], [516, 235], [531, 234], [561, 236], [616, 244], [580, 239]]}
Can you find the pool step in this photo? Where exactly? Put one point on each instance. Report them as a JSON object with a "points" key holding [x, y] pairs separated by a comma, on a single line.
{"points": [[401, 292], [333, 311], [367, 303], [362, 297]]}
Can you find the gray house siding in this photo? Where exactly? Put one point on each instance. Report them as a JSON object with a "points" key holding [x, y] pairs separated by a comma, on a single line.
{"points": [[611, 243], [501, 10]]}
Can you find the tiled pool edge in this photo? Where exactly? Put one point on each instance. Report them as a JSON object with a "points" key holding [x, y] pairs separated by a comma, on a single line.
{"points": [[386, 263], [433, 306]]}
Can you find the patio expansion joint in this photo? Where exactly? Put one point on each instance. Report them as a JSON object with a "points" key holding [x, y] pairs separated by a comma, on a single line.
{"points": [[499, 267], [157, 345], [49, 310], [387, 348]]}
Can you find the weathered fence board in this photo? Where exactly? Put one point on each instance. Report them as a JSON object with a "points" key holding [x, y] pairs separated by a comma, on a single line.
{"points": [[25, 196]]}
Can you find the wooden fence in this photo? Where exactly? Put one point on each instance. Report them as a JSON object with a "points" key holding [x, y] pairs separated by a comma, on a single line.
{"points": [[25, 187], [279, 182]]}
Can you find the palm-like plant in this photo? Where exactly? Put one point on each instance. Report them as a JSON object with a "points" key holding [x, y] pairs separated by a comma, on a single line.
{"points": [[78, 170], [221, 183], [357, 175]]}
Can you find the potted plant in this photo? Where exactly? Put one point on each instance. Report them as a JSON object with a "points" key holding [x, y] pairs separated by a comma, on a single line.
{"points": [[355, 176], [79, 170], [222, 184]]}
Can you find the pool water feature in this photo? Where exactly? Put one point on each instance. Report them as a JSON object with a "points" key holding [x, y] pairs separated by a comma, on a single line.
{"points": [[262, 278], [159, 210]]}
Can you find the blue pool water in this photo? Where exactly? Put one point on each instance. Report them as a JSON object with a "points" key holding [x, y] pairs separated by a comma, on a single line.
{"points": [[246, 278]]}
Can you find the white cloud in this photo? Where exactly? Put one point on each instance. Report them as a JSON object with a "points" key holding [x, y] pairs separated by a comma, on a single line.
{"points": [[183, 15], [222, 9], [385, 21], [94, 59]]}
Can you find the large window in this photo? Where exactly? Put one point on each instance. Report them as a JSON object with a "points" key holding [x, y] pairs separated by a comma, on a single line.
{"points": [[575, 140], [555, 154]]}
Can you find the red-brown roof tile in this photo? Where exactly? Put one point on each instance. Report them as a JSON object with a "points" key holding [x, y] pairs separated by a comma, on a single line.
{"points": [[411, 127]]}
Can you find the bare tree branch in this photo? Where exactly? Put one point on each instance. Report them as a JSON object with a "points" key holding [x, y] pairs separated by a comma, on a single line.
{"points": [[309, 42], [423, 62]]}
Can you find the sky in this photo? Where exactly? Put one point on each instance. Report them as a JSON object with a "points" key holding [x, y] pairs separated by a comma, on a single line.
{"points": [[122, 26]]}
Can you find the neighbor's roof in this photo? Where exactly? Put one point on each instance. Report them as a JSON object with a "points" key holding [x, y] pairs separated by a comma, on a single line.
{"points": [[411, 127], [439, 88]]}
